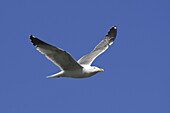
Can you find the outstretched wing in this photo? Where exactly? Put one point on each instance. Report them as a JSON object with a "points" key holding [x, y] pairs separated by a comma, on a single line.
{"points": [[100, 48], [58, 56]]}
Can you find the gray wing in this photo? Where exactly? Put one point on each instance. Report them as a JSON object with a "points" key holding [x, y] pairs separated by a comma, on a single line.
{"points": [[100, 48], [59, 57]]}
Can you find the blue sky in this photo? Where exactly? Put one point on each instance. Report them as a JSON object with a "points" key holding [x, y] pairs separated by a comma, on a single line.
{"points": [[136, 76]]}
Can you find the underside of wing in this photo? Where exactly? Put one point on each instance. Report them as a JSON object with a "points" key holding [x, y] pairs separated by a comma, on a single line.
{"points": [[58, 56], [100, 48]]}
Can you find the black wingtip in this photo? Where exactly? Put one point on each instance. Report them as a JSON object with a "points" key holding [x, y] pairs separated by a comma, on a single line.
{"points": [[31, 36], [112, 32], [37, 42], [33, 40], [115, 27]]}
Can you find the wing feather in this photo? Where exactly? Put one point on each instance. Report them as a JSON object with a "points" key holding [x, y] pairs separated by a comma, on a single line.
{"points": [[100, 48], [58, 56]]}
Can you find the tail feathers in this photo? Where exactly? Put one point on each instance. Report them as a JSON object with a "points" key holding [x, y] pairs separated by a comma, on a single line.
{"points": [[52, 76], [55, 75]]}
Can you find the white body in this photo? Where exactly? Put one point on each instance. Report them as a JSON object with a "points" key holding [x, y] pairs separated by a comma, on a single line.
{"points": [[85, 72]]}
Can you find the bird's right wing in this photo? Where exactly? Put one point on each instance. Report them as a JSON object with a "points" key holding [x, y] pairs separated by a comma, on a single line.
{"points": [[100, 48], [58, 56]]}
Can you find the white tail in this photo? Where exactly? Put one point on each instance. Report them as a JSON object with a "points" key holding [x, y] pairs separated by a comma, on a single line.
{"points": [[55, 75]]}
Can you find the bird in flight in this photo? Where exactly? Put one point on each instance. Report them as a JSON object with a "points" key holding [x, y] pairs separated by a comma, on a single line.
{"points": [[68, 65]]}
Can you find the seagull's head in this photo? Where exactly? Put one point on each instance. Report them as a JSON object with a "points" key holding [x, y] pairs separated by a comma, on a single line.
{"points": [[96, 69], [91, 69]]}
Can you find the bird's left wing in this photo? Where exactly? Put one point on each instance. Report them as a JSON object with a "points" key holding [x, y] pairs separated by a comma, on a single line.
{"points": [[58, 56], [100, 48]]}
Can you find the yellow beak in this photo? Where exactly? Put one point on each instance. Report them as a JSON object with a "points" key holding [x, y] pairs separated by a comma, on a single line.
{"points": [[100, 70]]}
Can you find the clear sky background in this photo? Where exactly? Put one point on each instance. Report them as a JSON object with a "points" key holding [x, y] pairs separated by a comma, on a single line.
{"points": [[137, 66]]}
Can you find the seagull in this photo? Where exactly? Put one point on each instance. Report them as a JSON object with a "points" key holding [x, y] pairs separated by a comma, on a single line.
{"points": [[68, 65]]}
